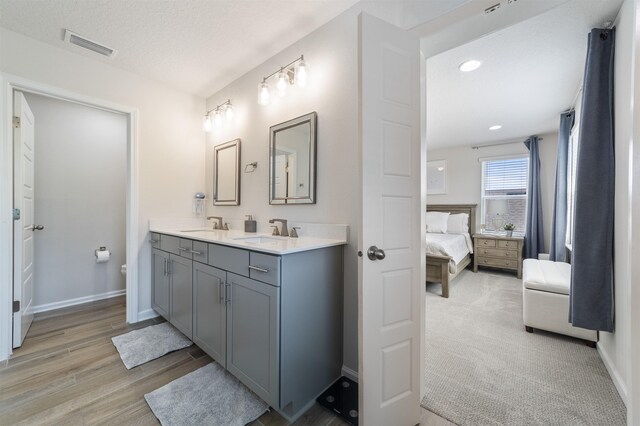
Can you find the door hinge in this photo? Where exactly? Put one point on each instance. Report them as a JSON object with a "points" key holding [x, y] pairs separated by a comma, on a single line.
{"points": [[16, 306], [16, 214], [16, 122]]}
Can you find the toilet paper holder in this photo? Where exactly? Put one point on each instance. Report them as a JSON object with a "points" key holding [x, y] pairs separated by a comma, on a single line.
{"points": [[102, 255]]}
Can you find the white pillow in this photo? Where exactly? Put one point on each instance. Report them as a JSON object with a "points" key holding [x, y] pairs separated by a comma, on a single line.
{"points": [[458, 223], [437, 222]]}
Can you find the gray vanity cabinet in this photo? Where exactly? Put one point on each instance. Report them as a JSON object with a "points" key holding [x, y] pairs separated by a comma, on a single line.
{"points": [[161, 286], [273, 321], [181, 312], [253, 327], [209, 311]]}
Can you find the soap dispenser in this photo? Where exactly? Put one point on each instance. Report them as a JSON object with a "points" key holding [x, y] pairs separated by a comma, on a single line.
{"points": [[250, 224]]}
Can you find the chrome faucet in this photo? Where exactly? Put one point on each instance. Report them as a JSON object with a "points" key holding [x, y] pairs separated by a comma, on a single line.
{"points": [[285, 232], [218, 224]]}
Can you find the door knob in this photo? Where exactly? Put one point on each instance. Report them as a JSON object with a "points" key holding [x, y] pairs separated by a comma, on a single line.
{"points": [[374, 253], [37, 227]]}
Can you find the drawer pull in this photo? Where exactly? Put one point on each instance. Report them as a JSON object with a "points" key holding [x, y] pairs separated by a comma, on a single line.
{"points": [[196, 252], [259, 269], [183, 249], [152, 241]]}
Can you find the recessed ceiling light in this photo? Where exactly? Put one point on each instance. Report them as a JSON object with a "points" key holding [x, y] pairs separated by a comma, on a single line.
{"points": [[496, 127], [470, 65]]}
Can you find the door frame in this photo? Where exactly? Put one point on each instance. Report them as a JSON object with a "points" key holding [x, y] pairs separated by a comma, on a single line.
{"points": [[9, 83]]}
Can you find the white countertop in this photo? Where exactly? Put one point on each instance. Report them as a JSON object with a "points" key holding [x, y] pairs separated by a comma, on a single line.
{"points": [[234, 238]]}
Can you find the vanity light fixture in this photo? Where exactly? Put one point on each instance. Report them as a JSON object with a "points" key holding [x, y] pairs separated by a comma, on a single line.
{"points": [[225, 109], [495, 127], [263, 93], [470, 65], [295, 72], [283, 82]]}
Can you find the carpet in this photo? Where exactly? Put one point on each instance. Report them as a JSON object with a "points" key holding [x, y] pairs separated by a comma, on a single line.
{"points": [[484, 369], [139, 346], [207, 396]]}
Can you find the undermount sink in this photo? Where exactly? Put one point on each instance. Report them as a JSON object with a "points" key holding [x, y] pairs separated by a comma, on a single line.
{"points": [[258, 240], [200, 230]]}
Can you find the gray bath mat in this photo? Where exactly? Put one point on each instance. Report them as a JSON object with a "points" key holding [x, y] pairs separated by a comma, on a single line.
{"points": [[207, 396], [139, 346]]}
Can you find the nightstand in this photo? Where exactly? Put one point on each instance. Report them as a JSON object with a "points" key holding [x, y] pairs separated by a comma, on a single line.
{"points": [[498, 251]]}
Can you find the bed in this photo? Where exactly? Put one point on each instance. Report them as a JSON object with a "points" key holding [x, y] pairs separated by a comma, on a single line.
{"points": [[443, 264]]}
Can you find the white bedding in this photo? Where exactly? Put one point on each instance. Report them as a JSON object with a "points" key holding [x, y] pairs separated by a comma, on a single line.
{"points": [[455, 245]]}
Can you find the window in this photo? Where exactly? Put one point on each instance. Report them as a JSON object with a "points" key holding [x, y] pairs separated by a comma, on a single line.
{"points": [[571, 181], [504, 193]]}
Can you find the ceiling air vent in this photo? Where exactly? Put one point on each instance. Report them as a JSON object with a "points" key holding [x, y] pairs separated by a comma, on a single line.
{"points": [[492, 9], [78, 40]]}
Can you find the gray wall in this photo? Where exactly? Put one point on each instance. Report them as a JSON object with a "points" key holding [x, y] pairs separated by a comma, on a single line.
{"points": [[80, 178], [332, 91], [169, 131]]}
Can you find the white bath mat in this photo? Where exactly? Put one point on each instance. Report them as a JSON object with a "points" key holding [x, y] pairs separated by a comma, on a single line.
{"points": [[139, 346], [207, 396]]}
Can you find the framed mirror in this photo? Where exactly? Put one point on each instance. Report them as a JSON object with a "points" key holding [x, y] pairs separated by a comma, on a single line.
{"points": [[292, 161], [226, 174]]}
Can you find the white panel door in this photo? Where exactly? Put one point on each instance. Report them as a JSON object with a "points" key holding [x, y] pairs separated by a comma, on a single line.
{"points": [[389, 284], [23, 172]]}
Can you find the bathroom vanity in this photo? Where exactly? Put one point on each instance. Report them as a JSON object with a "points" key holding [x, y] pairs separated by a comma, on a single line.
{"points": [[267, 309]]}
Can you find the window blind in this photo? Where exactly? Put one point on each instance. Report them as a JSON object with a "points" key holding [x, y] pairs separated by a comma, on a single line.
{"points": [[506, 177]]}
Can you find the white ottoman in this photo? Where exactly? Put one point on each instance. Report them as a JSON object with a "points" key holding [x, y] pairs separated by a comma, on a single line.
{"points": [[545, 296]]}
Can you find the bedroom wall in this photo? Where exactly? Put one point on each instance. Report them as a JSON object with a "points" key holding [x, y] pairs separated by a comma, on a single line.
{"points": [[615, 347], [464, 175]]}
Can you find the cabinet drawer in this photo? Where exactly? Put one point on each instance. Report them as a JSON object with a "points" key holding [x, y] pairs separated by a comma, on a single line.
{"points": [[185, 248], [508, 254], [498, 263], [486, 242], [200, 251], [265, 268], [169, 243], [513, 245], [154, 240], [230, 259]]}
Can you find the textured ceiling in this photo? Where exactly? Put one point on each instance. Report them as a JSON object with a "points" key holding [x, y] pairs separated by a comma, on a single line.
{"points": [[530, 73], [198, 46]]}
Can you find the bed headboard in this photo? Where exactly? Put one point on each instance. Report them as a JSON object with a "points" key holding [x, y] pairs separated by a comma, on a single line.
{"points": [[469, 209]]}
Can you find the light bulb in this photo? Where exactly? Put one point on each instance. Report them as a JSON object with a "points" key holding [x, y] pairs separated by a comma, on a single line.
{"points": [[263, 93], [301, 73], [228, 113], [218, 119], [283, 80], [206, 123]]}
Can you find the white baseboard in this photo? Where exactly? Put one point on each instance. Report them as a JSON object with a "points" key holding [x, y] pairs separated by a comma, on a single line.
{"points": [[614, 373], [349, 373], [77, 301], [147, 314]]}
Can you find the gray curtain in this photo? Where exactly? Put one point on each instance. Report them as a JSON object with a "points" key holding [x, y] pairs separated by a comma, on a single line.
{"points": [[557, 250], [591, 296], [534, 235]]}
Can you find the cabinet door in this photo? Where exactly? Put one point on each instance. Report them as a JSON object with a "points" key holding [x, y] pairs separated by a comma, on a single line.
{"points": [[161, 289], [253, 335], [209, 311], [181, 294]]}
